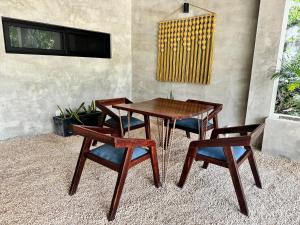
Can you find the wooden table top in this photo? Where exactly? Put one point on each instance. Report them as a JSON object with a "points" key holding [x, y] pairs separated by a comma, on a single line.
{"points": [[166, 108]]}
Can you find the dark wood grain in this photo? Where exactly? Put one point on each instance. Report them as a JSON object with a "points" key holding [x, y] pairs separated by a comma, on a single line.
{"points": [[166, 108], [104, 105], [129, 144], [249, 133], [213, 115]]}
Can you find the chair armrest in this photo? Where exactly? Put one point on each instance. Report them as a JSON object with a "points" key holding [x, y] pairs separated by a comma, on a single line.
{"points": [[127, 101], [95, 133], [112, 101], [222, 142], [105, 110], [257, 131], [204, 102], [237, 129], [133, 142], [217, 108], [214, 113]]}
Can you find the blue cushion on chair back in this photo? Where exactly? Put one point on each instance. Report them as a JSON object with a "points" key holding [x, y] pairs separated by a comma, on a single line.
{"points": [[133, 121], [116, 155], [218, 152]]}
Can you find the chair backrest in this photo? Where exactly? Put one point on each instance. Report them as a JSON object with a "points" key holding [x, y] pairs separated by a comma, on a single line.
{"points": [[113, 101], [213, 114], [105, 103], [257, 131], [100, 134], [251, 132]]}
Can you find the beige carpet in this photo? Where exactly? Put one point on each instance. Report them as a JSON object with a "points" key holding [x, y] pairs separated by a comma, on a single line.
{"points": [[36, 172]]}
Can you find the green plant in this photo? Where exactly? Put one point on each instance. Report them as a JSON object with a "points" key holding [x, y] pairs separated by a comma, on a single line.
{"points": [[290, 73], [74, 113], [294, 15], [288, 95], [90, 108]]}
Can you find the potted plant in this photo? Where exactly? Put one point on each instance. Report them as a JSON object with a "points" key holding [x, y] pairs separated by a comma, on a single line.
{"points": [[82, 115]]}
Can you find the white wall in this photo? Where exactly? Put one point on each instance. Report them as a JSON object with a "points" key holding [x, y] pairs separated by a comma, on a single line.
{"points": [[269, 43], [233, 52], [32, 85], [282, 138]]}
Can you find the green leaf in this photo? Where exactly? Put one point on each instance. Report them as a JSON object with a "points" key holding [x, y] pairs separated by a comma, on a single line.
{"points": [[76, 116], [84, 109], [62, 114], [294, 15], [81, 105], [89, 109], [294, 86], [70, 113], [94, 105]]}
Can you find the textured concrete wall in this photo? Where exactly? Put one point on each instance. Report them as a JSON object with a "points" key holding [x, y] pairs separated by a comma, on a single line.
{"points": [[281, 138], [234, 44], [268, 51], [31, 85]]}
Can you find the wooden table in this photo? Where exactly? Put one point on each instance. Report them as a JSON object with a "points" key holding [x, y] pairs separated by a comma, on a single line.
{"points": [[169, 111]]}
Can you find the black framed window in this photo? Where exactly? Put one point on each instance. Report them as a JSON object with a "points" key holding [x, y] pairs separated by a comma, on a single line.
{"points": [[26, 37]]}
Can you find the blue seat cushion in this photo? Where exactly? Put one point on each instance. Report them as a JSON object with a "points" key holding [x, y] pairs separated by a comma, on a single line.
{"points": [[116, 155], [218, 152], [133, 121], [190, 124]]}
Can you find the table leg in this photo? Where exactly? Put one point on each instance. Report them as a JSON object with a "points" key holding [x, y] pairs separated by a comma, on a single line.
{"points": [[147, 126], [121, 125], [206, 124], [159, 132], [163, 151], [128, 125], [168, 146], [200, 124]]}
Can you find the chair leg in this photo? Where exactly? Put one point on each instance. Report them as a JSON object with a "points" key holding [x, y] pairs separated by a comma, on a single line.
{"points": [[80, 164], [205, 165], [147, 127], [102, 119], [94, 143], [188, 134], [119, 186], [201, 134], [155, 168], [254, 170], [233, 169], [186, 169]]}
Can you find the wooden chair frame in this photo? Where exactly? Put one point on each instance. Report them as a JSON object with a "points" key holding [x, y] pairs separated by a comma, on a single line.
{"points": [[248, 134], [211, 116], [204, 125], [102, 105], [99, 134]]}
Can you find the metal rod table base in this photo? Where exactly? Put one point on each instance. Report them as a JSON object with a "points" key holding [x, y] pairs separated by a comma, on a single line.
{"points": [[122, 131]]}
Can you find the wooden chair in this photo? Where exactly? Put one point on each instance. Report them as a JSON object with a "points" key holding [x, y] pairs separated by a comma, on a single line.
{"points": [[228, 152], [210, 122], [114, 120], [118, 154]]}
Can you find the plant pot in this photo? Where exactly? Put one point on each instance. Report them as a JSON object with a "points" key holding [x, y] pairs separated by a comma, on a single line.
{"points": [[62, 126]]}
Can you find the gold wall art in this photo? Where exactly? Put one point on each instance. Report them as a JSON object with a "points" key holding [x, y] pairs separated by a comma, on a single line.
{"points": [[185, 49]]}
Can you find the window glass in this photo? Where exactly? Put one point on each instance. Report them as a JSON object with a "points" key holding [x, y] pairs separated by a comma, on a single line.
{"points": [[34, 38], [288, 94], [27, 37]]}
